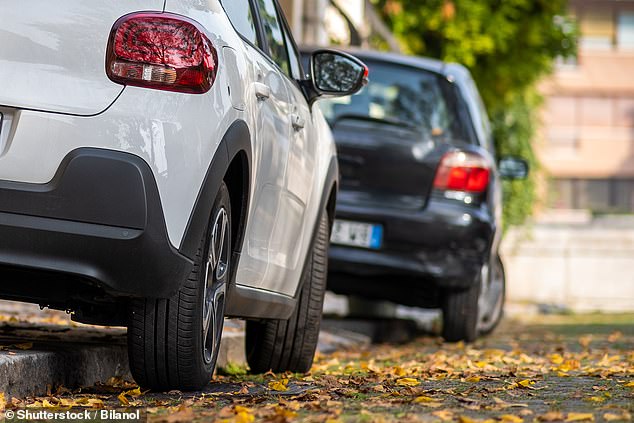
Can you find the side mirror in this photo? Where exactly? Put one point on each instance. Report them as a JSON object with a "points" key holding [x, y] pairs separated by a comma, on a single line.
{"points": [[336, 74], [513, 167]]}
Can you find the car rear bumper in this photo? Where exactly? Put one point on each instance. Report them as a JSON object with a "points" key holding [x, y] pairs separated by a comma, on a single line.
{"points": [[443, 245], [99, 223]]}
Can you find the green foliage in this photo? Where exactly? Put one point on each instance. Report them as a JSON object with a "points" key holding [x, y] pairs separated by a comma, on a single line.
{"points": [[509, 46], [233, 369]]}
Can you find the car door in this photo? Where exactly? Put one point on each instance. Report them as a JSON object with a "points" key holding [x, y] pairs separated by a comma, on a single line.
{"points": [[287, 225], [300, 174], [262, 252], [268, 252]]}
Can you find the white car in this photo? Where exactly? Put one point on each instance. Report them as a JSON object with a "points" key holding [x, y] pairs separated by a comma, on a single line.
{"points": [[162, 166]]}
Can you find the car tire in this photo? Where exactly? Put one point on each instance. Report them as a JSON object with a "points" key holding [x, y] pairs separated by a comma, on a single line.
{"points": [[490, 320], [289, 345], [173, 343], [460, 314]]}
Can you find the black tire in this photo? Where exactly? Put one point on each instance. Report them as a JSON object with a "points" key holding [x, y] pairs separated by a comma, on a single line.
{"points": [[289, 345], [168, 346], [460, 314]]}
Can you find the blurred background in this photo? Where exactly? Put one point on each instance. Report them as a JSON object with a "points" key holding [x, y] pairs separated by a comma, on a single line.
{"points": [[557, 77]]}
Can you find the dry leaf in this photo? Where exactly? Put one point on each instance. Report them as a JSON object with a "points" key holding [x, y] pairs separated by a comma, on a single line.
{"points": [[624, 416], [123, 399], [279, 385], [579, 417], [551, 416], [510, 418], [407, 381]]}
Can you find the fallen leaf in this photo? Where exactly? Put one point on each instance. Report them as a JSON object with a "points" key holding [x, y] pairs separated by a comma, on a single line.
{"points": [[525, 383], [3, 401], [615, 336], [624, 416], [473, 379], [407, 381], [551, 416], [123, 399], [511, 418], [503, 404], [279, 385], [579, 417]]}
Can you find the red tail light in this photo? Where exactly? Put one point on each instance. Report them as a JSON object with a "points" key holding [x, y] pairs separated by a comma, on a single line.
{"points": [[161, 51], [460, 171]]}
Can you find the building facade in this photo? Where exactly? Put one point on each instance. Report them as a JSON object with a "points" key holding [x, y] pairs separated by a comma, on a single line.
{"points": [[587, 142]]}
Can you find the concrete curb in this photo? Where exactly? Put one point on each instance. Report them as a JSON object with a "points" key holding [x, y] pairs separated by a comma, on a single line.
{"points": [[61, 356]]}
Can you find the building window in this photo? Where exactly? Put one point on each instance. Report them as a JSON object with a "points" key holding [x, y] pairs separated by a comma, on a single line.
{"points": [[625, 30], [597, 28]]}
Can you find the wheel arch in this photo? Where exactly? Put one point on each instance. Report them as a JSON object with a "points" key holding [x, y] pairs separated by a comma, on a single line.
{"points": [[231, 163]]}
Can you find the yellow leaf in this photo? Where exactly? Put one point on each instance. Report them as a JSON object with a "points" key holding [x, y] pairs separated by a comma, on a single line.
{"points": [[285, 413], [123, 399], [466, 419], [47, 404], [423, 398], [407, 381], [480, 364], [511, 418], [629, 384], [596, 399], [3, 401], [243, 417], [474, 379], [551, 416], [624, 416], [279, 385], [399, 371], [579, 417], [135, 392], [556, 359], [526, 383]]}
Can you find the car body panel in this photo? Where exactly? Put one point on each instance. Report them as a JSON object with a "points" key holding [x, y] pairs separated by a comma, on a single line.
{"points": [[52, 54]]}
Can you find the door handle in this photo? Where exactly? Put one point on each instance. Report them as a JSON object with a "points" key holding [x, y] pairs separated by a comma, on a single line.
{"points": [[297, 121], [262, 91]]}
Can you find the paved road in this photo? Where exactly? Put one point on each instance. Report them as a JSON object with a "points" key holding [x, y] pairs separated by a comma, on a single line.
{"points": [[541, 369]]}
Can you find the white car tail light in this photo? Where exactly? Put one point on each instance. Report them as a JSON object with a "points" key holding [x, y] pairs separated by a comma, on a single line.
{"points": [[462, 171], [161, 51]]}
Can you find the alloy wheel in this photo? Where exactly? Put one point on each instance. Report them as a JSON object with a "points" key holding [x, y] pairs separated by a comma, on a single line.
{"points": [[216, 271]]}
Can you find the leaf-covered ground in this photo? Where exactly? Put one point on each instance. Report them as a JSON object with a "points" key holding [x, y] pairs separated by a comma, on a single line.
{"points": [[557, 368]]}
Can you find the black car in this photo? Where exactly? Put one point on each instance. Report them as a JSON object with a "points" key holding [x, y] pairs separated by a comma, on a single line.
{"points": [[419, 206]]}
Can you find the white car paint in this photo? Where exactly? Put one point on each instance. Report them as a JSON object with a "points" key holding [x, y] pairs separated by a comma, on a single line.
{"points": [[56, 96]]}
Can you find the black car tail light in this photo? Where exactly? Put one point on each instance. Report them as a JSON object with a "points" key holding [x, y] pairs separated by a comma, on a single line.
{"points": [[462, 171]]}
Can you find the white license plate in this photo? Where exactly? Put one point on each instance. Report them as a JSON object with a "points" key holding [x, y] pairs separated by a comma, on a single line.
{"points": [[357, 234]]}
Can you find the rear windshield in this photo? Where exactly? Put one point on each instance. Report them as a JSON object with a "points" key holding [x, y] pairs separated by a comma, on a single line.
{"points": [[402, 95]]}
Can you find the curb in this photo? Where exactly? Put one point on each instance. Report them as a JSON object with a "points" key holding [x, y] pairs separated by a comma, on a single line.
{"points": [[39, 359]]}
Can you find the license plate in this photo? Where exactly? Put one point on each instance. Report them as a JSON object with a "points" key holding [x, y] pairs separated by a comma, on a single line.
{"points": [[357, 234]]}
